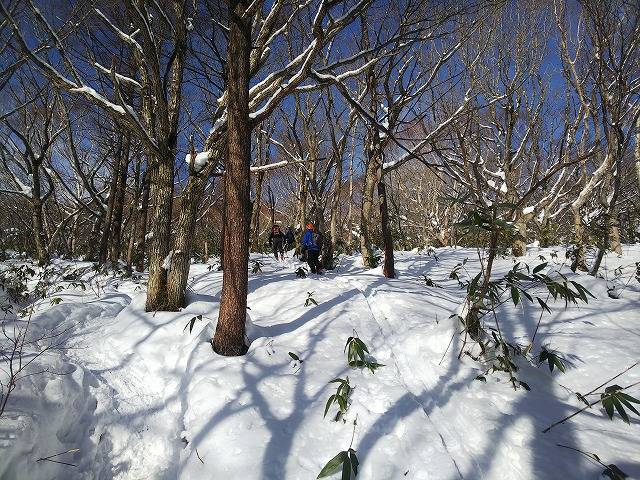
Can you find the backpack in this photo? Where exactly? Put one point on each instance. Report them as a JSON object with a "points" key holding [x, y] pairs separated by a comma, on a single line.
{"points": [[317, 239]]}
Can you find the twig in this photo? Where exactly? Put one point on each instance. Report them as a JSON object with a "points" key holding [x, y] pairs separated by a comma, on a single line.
{"points": [[612, 378], [49, 458], [591, 456], [353, 434], [604, 397], [450, 342], [201, 461]]}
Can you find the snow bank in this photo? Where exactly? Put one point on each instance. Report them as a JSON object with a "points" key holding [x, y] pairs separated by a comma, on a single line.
{"points": [[148, 398]]}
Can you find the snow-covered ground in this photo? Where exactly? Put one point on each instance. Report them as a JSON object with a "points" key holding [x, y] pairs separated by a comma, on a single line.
{"points": [[141, 397]]}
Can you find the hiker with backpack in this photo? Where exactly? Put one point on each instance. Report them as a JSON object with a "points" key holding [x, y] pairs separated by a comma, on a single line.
{"points": [[312, 244], [289, 238], [276, 240]]}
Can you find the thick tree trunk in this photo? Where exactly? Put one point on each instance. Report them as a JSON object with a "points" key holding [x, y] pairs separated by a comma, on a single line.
{"points": [[38, 235], [229, 338], [94, 238], [614, 234], [388, 269], [637, 151], [183, 238], [366, 212], [37, 219], [106, 231], [183, 244], [350, 210], [333, 222], [301, 212], [613, 225], [118, 207], [223, 228], [134, 215], [161, 192], [141, 229]]}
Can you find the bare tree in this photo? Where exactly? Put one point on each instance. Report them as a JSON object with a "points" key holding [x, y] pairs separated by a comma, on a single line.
{"points": [[601, 65]]}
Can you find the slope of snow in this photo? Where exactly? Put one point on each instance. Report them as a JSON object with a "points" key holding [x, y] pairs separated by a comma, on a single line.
{"points": [[146, 398]]}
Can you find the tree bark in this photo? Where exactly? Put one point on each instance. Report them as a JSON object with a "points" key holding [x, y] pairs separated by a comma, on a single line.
{"points": [[37, 220], [256, 207], [350, 210], [106, 231], [255, 214], [161, 191], [183, 244], [183, 238], [579, 261], [302, 206], [141, 229], [333, 225], [229, 338], [388, 269], [519, 247], [366, 212], [118, 207], [637, 151], [94, 238]]}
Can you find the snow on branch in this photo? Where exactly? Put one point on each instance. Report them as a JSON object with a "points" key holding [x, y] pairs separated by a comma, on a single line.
{"points": [[93, 95], [199, 161], [120, 77], [123, 36]]}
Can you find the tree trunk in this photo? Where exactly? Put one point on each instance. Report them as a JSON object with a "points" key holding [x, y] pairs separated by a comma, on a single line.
{"points": [[37, 220], [183, 243], [579, 262], [118, 207], [350, 210], [637, 151], [519, 247], [73, 240], [257, 202], [141, 229], [388, 269], [106, 231], [333, 222], [94, 241], [135, 213], [302, 206], [365, 215], [229, 338], [614, 234], [613, 225], [161, 192], [223, 228], [255, 214]]}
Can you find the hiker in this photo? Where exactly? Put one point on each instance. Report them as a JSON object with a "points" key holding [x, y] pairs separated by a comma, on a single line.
{"points": [[289, 238], [276, 240], [312, 244]]}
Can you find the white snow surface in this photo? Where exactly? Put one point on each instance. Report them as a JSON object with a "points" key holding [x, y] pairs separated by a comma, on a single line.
{"points": [[145, 398]]}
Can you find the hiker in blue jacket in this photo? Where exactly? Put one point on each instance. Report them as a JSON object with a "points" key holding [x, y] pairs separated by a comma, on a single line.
{"points": [[312, 244]]}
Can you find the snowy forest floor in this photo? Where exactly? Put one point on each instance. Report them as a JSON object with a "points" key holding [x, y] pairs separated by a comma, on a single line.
{"points": [[143, 397]]}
